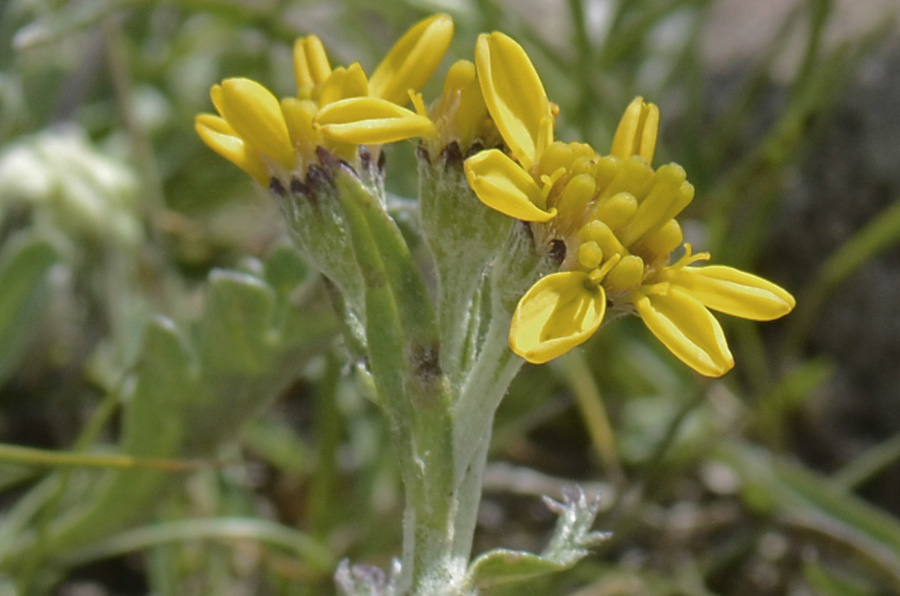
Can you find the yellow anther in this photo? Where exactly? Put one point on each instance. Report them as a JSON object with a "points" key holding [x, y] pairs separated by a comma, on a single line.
{"points": [[606, 169], [626, 275], [668, 195], [597, 275], [662, 242], [617, 210], [557, 155], [578, 192], [547, 184], [582, 165], [599, 232], [632, 177], [590, 255]]}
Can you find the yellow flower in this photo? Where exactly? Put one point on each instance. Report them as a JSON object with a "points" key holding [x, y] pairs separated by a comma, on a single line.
{"points": [[674, 303], [334, 108], [459, 114], [519, 107], [609, 221], [250, 131], [378, 116]]}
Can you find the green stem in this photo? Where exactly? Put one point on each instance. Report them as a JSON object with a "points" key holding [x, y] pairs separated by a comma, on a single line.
{"points": [[413, 392], [262, 531], [473, 414], [468, 496], [45, 457], [464, 236]]}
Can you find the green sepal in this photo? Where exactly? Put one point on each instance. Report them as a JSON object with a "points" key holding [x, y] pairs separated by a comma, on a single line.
{"points": [[318, 228], [571, 542], [517, 267], [464, 236]]}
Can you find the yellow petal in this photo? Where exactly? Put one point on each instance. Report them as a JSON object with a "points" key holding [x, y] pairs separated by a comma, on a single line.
{"points": [[343, 83], [687, 329], [362, 120], [559, 312], [215, 123], [216, 133], [255, 115], [735, 292], [311, 66], [299, 115], [637, 131], [217, 96], [412, 60], [502, 184], [514, 96]]}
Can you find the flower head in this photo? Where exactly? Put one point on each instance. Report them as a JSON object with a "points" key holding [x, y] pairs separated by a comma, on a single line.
{"points": [[458, 116], [334, 108], [609, 221]]}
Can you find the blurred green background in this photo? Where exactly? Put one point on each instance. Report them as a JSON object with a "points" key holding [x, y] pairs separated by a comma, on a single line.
{"points": [[151, 306]]}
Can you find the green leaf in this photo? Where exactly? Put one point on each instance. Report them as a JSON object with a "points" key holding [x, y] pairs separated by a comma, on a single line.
{"points": [[570, 543], [826, 582], [404, 356], [181, 399], [788, 396], [819, 508], [881, 233], [24, 267], [285, 269], [400, 325], [235, 335], [152, 427], [165, 379]]}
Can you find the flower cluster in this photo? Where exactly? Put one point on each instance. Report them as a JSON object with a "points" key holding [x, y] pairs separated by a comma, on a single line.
{"points": [[269, 138], [608, 221]]}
